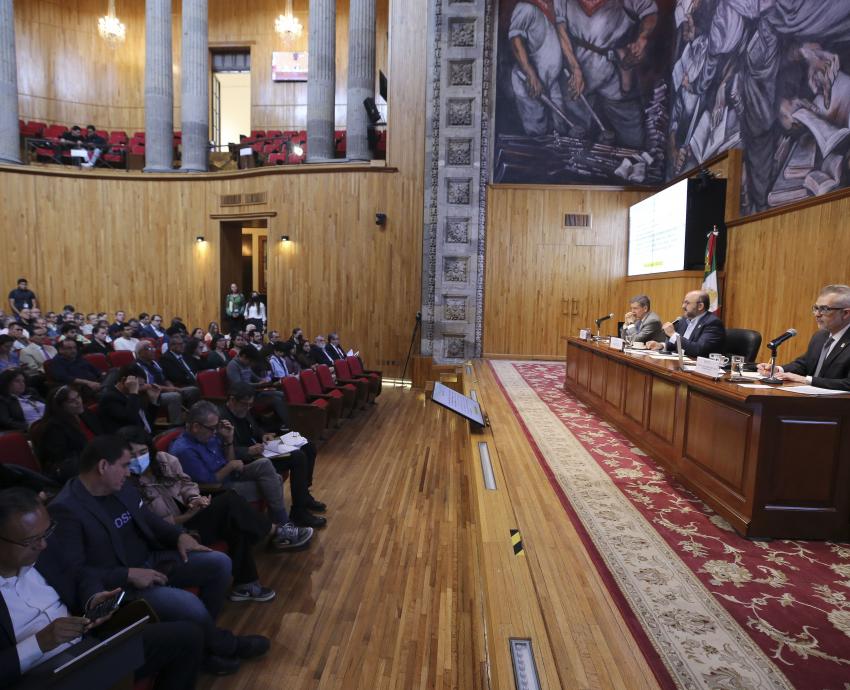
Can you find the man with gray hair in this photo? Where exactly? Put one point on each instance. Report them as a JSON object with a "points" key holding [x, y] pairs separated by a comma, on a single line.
{"points": [[206, 453], [645, 324], [826, 363]]}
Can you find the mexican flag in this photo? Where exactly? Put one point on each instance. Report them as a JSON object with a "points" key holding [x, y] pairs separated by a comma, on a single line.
{"points": [[709, 281]]}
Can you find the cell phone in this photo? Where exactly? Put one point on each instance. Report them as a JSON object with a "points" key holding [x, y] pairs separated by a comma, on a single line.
{"points": [[105, 607]]}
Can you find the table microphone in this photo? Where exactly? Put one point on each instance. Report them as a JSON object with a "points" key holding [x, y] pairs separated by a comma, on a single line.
{"points": [[776, 342], [603, 318]]}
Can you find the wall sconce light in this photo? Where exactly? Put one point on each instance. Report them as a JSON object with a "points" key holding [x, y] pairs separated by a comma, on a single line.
{"points": [[284, 238], [200, 239], [380, 219]]}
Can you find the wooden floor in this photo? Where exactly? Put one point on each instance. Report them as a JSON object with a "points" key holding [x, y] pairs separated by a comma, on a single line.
{"points": [[393, 593]]}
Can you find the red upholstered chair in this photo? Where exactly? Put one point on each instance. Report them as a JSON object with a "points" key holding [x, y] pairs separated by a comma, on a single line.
{"points": [[15, 450], [213, 384], [121, 358], [271, 133], [308, 419], [313, 391], [118, 137], [277, 159], [98, 361], [343, 375], [48, 372], [258, 134], [348, 390], [162, 441], [375, 378]]}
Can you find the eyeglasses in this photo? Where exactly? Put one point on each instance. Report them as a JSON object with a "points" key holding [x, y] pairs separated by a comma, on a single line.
{"points": [[32, 541], [823, 309]]}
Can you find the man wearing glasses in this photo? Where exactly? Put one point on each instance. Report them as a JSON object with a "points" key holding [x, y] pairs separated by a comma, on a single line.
{"points": [[826, 363]]}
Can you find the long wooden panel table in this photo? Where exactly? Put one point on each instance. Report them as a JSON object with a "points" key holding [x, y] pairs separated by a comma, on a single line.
{"points": [[775, 464]]}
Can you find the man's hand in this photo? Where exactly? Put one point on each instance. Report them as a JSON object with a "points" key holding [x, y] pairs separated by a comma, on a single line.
{"points": [[132, 384], [269, 437], [59, 632], [629, 318], [225, 431], [256, 450], [764, 369], [823, 69], [95, 601], [199, 502], [575, 85], [533, 85], [792, 378], [669, 329], [235, 465], [636, 51], [186, 544], [142, 578], [654, 345]]}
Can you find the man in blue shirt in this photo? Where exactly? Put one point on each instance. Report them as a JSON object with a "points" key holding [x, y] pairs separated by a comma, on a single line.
{"points": [[206, 453]]}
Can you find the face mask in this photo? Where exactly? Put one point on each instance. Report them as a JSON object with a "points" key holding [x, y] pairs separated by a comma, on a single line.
{"points": [[140, 464]]}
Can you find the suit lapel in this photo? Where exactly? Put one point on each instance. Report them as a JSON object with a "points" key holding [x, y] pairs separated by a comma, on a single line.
{"points": [[837, 350]]}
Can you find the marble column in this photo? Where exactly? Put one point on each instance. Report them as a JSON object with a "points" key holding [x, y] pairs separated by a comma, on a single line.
{"points": [[361, 77], [195, 92], [10, 146], [321, 80], [159, 89]]}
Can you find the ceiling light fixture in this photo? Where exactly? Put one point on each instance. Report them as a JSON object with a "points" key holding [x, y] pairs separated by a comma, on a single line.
{"points": [[288, 26], [110, 28]]}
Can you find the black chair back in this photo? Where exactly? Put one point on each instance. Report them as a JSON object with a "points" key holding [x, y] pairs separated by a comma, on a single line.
{"points": [[743, 341]]}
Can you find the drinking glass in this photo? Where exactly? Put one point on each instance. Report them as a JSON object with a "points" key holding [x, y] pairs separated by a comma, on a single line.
{"points": [[738, 365]]}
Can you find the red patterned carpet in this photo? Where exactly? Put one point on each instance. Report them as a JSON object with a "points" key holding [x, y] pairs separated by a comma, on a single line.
{"points": [[718, 610]]}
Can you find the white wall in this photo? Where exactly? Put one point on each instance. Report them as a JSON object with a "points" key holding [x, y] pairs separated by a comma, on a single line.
{"points": [[235, 105]]}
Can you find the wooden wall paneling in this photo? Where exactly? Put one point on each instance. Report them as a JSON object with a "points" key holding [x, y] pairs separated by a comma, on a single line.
{"points": [[544, 282], [776, 266]]}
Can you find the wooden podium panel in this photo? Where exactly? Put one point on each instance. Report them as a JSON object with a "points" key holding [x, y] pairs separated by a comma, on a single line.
{"points": [[774, 463]]}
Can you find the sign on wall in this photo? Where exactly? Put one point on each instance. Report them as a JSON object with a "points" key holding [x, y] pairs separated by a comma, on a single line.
{"points": [[288, 66]]}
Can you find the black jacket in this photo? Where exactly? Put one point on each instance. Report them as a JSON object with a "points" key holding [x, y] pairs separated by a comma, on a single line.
{"points": [[176, 372], [709, 336], [116, 409], [58, 445], [11, 414], [835, 373], [321, 355]]}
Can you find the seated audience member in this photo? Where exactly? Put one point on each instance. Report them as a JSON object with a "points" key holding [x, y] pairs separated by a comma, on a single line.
{"points": [[826, 362], [172, 495], [20, 408], [333, 348], [128, 402], [640, 321], [43, 602], [9, 358], [104, 527], [192, 353], [289, 356], [95, 144], [39, 350], [88, 326], [177, 325], [238, 340], [170, 396], [700, 331], [154, 328], [22, 297], [297, 336], [70, 367], [320, 352], [26, 320], [239, 370], [278, 362], [198, 334], [71, 331], [117, 326], [126, 341], [99, 344], [217, 356], [20, 336], [267, 349], [72, 137], [136, 327], [52, 324], [248, 438], [304, 355], [212, 331], [180, 371], [60, 436], [206, 453]]}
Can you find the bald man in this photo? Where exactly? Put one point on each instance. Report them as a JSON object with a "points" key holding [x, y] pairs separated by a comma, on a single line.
{"points": [[700, 331]]}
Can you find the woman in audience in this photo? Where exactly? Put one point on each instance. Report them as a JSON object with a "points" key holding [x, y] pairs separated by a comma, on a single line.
{"points": [[303, 355], [8, 356], [217, 357], [192, 352], [172, 495], [19, 407], [61, 435], [255, 312], [212, 331], [198, 334]]}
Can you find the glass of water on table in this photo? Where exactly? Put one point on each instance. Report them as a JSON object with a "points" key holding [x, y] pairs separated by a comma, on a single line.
{"points": [[738, 365]]}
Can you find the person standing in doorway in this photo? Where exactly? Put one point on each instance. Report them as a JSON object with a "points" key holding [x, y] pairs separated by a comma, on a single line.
{"points": [[234, 306]]}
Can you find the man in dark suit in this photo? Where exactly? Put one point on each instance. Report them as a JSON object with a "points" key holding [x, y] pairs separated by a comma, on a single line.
{"points": [[320, 353], [70, 367], [640, 320], [104, 527], [333, 348], [171, 397], [826, 363], [39, 580], [154, 329], [700, 331], [99, 344], [127, 403], [180, 373]]}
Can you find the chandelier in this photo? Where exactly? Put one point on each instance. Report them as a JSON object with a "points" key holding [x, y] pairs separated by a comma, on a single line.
{"points": [[288, 26], [110, 27]]}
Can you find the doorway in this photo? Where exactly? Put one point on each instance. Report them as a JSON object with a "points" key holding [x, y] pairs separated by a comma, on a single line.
{"points": [[244, 257], [230, 104]]}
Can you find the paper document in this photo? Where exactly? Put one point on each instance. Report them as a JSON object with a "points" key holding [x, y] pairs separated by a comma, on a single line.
{"points": [[813, 390], [755, 385], [293, 438]]}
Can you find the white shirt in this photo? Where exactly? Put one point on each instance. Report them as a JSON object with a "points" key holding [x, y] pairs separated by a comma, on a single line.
{"points": [[32, 605], [123, 343], [253, 311]]}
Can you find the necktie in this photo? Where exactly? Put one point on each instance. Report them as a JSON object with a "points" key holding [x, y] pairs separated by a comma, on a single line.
{"points": [[186, 367], [827, 346]]}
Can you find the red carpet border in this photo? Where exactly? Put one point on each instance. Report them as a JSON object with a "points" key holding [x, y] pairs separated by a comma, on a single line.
{"points": [[720, 611]]}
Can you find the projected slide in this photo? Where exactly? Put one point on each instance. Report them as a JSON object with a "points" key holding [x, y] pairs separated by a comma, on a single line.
{"points": [[657, 231]]}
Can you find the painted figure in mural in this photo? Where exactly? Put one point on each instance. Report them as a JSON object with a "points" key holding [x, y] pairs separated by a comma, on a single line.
{"points": [[536, 34], [610, 40]]}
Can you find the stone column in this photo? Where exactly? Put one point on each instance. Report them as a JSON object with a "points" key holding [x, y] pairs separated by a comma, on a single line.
{"points": [[195, 91], [159, 89], [10, 140], [321, 80], [361, 76]]}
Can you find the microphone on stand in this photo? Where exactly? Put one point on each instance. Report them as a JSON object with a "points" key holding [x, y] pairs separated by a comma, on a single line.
{"points": [[772, 345], [603, 318]]}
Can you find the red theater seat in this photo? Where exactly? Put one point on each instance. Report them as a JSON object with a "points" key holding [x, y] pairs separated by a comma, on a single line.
{"points": [[344, 375], [121, 358], [313, 391], [15, 450], [162, 441], [349, 390], [98, 361], [213, 384], [374, 377], [308, 419]]}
